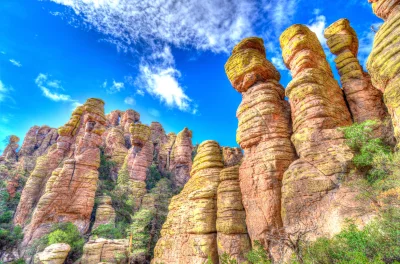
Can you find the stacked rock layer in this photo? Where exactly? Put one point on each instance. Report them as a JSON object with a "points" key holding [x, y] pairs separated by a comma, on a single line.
{"points": [[384, 61], [189, 234], [181, 157], [365, 101], [318, 109], [264, 135]]}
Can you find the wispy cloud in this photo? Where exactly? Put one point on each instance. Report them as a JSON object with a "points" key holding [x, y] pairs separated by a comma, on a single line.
{"points": [[4, 91], [50, 89], [115, 87], [16, 63], [366, 41], [280, 13], [153, 112], [129, 100], [318, 25]]}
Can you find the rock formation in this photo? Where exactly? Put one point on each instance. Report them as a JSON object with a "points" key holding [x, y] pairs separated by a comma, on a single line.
{"points": [[10, 152], [165, 153], [105, 213], [232, 156], [232, 237], [365, 101], [36, 143], [115, 149], [105, 251], [189, 234], [181, 158], [69, 193], [384, 61], [53, 254], [318, 109], [264, 135]]}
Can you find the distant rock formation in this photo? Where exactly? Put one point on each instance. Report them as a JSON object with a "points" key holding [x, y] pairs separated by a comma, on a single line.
{"points": [[264, 135], [365, 101], [53, 254], [105, 251], [10, 152], [384, 61], [189, 234], [181, 158], [105, 213]]}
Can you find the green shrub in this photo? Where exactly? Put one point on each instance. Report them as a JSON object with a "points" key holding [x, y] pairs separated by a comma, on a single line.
{"points": [[10, 236], [107, 231], [6, 217], [152, 177], [106, 165], [258, 255]]}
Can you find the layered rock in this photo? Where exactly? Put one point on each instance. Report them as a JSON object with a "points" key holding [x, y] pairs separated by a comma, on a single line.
{"points": [[189, 234], [165, 153], [115, 149], [364, 100], [134, 170], [105, 251], [45, 165], [114, 118], [36, 143], [70, 191], [264, 135], [10, 152], [232, 156], [384, 61], [181, 158], [53, 254], [311, 183], [232, 237], [158, 138], [105, 213]]}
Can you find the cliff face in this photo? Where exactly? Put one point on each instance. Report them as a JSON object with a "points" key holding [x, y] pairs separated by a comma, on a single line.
{"points": [[384, 63], [264, 134]]}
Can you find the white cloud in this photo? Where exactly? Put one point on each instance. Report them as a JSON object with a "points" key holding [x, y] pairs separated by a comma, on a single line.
{"points": [[4, 91], [15, 63], [47, 86], [206, 25], [318, 25], [154, 112], [2, 52], [280, 13], [129, 100], [278, 63], [366, 42], [114, 88]]}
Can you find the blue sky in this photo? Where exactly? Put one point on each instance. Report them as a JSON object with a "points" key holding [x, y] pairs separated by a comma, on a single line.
{"points": [[163, 58]]}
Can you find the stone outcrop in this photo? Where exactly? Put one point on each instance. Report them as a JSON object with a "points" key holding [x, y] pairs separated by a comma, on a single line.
{"points": [[181, 158], [364, 100], [105, 213], [159, 138], [53, 254], [232, 237], [115, 149], [45, 165], [10, 152], [311, 185], [165, 153], [114, 118], [105, 251], [70, 191], [264, 135], [36, 143], [189, 234], [384, 61], [232, 156]]}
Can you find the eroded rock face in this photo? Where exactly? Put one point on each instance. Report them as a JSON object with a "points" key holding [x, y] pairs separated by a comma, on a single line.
{"points": [[189, 234], [105, 213], [10, 152], [165, 153], [105, 251], [232, 156], [384, 62], [232, 237], [264, 135], [181, 158], [365, 101], [116, 149], [53, 254], [69, 193], [311, 185]]}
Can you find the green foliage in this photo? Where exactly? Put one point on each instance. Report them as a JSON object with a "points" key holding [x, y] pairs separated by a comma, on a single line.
{"points": [[226, 259], [378, 242], [258, 255], [10, 236], [139, 231], [152, 177], [107, 231], [67, 233], [106, 165]]}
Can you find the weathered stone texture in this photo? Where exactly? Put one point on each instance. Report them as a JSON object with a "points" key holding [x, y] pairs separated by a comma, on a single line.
{"points": [[365, 101], [69, 193], [264, 135], [105, 251], [53, 254], [181, 158], [10, 152], [165, 153], [318, 109], [384, 61], [232, 237], [189, 234], [115, 149], [105, 213]]}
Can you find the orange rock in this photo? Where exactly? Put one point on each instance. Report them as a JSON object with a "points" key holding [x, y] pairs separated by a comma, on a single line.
{"points": [[264, 135], [10, 152], [181, 158], [364, 100]]}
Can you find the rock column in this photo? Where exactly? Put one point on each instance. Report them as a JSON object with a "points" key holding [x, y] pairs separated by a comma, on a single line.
{"points": [[384, 61], [264, 135], [365, 101], [181, 158]]}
